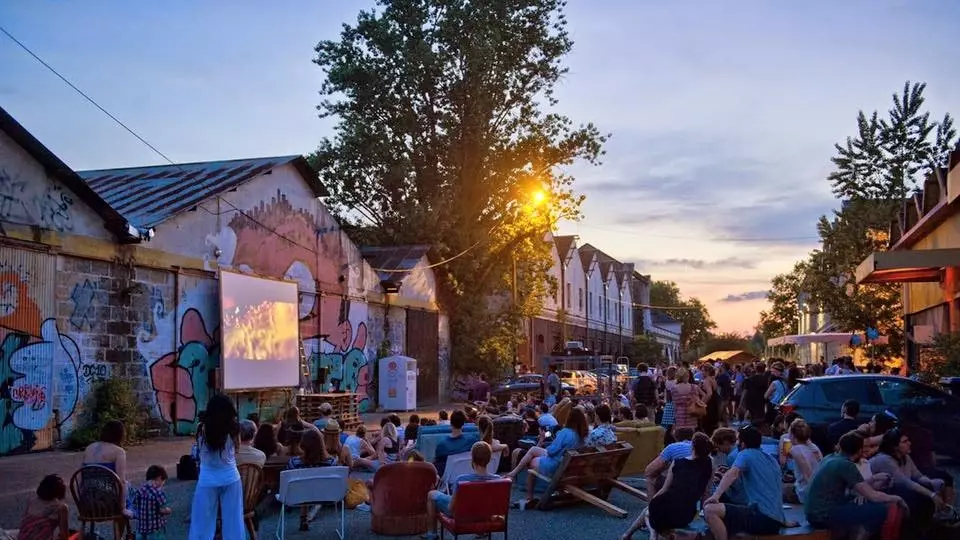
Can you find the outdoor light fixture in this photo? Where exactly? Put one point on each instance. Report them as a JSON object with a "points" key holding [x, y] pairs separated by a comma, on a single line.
{"points": [[137, 234], [390, 286]]}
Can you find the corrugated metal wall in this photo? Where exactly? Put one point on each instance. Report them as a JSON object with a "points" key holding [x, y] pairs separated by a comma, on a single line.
{"points": [[28, 389]]}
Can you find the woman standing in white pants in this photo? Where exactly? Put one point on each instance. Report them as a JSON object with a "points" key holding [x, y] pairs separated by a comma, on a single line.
{"points": [[219, 483]]}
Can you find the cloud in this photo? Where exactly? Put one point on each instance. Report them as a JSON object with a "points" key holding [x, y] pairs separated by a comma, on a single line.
{"points": [[698, 264], [744, 297]]}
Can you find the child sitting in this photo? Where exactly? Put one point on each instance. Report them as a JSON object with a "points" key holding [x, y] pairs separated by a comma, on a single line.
{"points": [[150, 505], [46, 512]]}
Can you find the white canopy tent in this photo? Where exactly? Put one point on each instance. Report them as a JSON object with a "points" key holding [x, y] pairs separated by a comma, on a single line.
{"points": [[827, 337]]}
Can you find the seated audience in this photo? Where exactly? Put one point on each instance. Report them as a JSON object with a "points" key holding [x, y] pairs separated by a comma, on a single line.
{"points": [[314, 455], [485, 426], [833, 492], [266, 441], [46, 516], [438, 501], [362, 453], [674, 506], [763, 486], [603, 434], [922, 495], [847, 423], [388, 445], [331, 439], [456, 442], [326, 410], [656, 470], [546, 460], [804, 455], [109, 452], [247, 453], [411, 431], [292, 425], [443, 419]]}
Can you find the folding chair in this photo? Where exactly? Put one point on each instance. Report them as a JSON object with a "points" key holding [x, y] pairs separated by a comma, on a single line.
{"points": [[313, 485], [457, 464]]}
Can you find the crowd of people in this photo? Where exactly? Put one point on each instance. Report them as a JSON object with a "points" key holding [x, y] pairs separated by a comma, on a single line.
{"points": [[728, 452]]}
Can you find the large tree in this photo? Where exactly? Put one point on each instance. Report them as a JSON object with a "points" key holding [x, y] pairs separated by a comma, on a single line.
{"points": [[875, 170], [691, 313], [783, 316], [445, 136]]}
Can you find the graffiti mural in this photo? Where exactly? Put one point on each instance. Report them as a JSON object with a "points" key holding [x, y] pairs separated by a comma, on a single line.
{"points": [[182, 349], [20, 203], [39, 366], [82, 297], [283, 241]]}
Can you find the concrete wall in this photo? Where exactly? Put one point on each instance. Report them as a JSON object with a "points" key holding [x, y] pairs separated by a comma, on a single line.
{"points": [[576, 278], [594, 286]]}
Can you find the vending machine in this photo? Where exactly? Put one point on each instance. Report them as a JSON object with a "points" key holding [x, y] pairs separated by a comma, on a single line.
{"points": [[398, 383]]}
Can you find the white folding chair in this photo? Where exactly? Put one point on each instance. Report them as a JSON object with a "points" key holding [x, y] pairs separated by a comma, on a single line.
{"points": [[494, 463], [313, 485], [457, 465]]}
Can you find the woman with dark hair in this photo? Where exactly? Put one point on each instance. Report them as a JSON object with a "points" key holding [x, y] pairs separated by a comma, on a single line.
{"points": [[109, 452], [219, 483], [314, 454], [485, 425], [546, 460], [46, 512], [266, 440], [675, 505], [921, 494]]}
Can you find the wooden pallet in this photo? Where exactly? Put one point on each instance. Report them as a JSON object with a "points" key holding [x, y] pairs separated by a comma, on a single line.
{"points": [[344, 408]]}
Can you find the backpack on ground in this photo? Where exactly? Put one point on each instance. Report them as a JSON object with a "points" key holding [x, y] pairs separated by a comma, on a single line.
{"points": [[187, 468]]}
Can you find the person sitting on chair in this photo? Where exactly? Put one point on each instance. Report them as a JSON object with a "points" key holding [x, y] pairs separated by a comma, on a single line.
{"points": [[438, 501]]}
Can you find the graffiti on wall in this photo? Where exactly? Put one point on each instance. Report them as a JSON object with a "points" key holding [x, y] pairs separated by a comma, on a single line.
{"points": [[49, 208], [182, 348], [283, 241], [39, 369], [82, 297]]}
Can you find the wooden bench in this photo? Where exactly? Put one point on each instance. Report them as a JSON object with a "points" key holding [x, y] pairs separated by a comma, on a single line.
{"points": [[588, 475]]}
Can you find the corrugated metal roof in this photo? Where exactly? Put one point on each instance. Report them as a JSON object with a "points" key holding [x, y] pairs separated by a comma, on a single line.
{"points": [[659, 317], [723, 356], [397, 261], [148, 196]]}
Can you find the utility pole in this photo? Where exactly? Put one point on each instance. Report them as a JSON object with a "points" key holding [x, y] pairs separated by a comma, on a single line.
{"points": [[516, 307]]}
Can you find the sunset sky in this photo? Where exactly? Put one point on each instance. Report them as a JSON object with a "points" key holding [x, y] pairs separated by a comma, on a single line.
{"points": [[723, 114]]}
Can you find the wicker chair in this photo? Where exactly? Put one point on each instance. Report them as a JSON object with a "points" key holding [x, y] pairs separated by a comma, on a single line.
{"points": [[398, 499], [251, 476], [98, 493]]}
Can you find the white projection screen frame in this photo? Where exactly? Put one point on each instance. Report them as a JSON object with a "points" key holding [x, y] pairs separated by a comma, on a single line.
{"points": [[259, 332]]}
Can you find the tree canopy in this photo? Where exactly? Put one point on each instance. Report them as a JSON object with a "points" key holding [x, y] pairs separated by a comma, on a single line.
{"points": [[691, 313], [886, 161], [445, 135]]}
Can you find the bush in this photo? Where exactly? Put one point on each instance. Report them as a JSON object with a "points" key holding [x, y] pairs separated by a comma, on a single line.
{"points": [[111, 399]]}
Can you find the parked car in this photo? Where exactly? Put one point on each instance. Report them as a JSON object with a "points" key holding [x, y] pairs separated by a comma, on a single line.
{"points": [[525, 384], [818, 400], [585, 382]]}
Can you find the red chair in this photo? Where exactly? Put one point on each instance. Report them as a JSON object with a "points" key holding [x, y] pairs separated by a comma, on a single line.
{"points": [[478, 508], [398, 498]]}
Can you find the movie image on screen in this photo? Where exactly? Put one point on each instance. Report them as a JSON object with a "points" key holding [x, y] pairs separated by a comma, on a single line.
{"points": [[260, 332]]}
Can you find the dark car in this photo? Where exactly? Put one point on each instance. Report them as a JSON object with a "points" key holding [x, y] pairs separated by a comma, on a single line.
{"points": [[818, 400], [525, 384]]}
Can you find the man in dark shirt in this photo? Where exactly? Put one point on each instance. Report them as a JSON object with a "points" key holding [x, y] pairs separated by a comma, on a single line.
{"points": [[755, 388], [725, 391], [848, 422], [645, 391]]}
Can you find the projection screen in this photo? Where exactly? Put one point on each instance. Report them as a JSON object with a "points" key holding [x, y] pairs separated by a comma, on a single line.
{"points": [[260, 328]]}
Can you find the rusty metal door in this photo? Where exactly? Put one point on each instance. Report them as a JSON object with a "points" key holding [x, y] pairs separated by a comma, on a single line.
{"points": [[423, 344], [39, 389]]}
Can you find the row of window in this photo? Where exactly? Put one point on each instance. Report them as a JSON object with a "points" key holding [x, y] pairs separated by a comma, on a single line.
{"points": [[603, 304]]}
